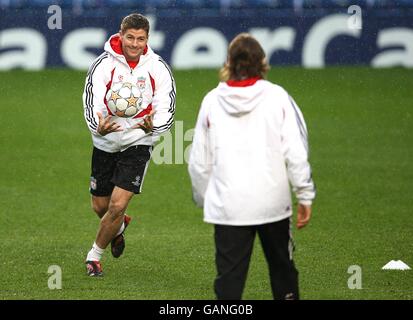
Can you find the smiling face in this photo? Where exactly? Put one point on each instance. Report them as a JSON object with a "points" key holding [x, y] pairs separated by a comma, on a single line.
{"points": [[134, 42]]}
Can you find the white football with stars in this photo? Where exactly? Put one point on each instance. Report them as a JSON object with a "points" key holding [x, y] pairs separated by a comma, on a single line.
{"points": [[124, 99]]}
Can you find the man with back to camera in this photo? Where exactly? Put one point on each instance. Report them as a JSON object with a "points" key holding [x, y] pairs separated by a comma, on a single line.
{"points": [[250, 141], [123, 146]]}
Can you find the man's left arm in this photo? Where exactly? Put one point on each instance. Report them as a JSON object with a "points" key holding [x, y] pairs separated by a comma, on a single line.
{"points": [[164, 99], [296, 151]]}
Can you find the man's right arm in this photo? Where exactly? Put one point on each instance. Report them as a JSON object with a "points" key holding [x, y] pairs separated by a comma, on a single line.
{"points": [[94, 93], [200, 158]]}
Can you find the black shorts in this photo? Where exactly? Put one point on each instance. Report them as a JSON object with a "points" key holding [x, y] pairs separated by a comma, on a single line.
{"points": [[124, 169]]}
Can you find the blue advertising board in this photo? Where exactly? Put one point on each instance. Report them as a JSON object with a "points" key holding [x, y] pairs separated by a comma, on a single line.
{"points": [[35, 41]]}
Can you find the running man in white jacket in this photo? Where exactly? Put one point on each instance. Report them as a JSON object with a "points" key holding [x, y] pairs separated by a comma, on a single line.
{"points": [[123, 146], [250, 142]]}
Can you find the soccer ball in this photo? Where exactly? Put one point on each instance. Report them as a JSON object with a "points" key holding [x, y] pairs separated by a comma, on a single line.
{"points": [[124, 99]]}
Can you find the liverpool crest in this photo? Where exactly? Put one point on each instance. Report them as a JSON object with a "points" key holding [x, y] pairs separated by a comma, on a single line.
{"points": [[141, 83]]}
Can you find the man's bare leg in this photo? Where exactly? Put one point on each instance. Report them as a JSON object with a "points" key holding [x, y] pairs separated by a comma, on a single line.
{"points": [[113, 218], [100, 205], [110, 222]]}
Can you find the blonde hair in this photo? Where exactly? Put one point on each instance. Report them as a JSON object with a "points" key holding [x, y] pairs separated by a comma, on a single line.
{"points": [[245, 59]]}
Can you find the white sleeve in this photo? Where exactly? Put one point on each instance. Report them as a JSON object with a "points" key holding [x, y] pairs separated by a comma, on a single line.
{"points": [[94, 93], [295, 150], [200, 157], [164, 99]]}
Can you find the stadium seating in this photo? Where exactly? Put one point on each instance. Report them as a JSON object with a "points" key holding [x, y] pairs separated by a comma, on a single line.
{"points": [[203, 4]]}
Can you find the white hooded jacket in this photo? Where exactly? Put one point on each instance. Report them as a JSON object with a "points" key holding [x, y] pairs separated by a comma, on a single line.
{"points": [[250, 140], [157, 85]]}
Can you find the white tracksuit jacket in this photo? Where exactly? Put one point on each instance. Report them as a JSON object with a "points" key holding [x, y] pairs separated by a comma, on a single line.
{"points": [[151, 74], [249, 142]]}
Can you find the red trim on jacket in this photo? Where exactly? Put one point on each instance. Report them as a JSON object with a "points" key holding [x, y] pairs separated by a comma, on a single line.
{"points": [[243, 83], [116, 44], [152, 84], [144, 112], [107, 89]]}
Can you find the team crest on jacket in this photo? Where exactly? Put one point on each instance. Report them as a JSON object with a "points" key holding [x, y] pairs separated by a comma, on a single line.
{"points": [[141, 83], [120, 77]]}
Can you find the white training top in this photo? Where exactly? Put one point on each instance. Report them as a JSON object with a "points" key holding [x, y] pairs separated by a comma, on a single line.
{"points": [[154, 78], [250, 140]]}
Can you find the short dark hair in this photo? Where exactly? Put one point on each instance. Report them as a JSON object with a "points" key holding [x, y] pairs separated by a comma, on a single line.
{"points": [[135, 21], [246, 59]]}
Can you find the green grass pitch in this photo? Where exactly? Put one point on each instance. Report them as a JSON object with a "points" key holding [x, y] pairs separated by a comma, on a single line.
{"points": [[360, 126]]}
